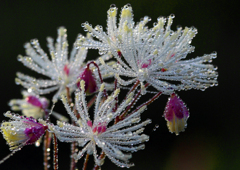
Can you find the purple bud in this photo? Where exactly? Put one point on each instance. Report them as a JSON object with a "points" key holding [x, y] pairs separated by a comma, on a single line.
{"points": [[90, 81], [176, 114], [22, 131], [33, 100]]}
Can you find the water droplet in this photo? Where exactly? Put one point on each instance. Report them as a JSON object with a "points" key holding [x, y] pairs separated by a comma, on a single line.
{"points": [[112, 6]]}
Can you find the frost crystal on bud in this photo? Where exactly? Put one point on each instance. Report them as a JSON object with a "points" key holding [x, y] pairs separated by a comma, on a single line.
{"points": [[156, 55], [113, 139], [176, 114], [21, 131]]}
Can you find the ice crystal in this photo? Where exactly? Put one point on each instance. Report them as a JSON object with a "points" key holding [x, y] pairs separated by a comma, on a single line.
{"points": [[156, 55], [113, 139]]}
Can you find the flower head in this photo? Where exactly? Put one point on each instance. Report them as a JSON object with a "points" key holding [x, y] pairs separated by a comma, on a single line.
{"points": [[176, 114], [31, 106], [156, 55], [21, 131], [62, 71], [113, 139]]}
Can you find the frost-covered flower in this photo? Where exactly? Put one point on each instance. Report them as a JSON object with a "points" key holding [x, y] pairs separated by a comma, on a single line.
{"points": [[156, 55], [61, 70], [21, 131], [31, 105], [176, 114], [113, 139]]}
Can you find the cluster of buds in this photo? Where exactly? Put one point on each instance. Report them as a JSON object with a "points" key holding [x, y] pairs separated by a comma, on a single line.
{"points": [[133, 57]]}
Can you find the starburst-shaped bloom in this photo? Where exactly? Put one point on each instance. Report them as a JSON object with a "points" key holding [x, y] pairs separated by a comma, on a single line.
{"points": [[62, 71], [113, 139], [156, 55], [21, 131]]}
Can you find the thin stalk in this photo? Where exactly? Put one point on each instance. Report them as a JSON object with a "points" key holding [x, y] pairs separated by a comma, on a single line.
{"points": [[91, 102], [55, 153], [73, 162], [148, 102], [102, 156], [116, 98], [124, 114], [68, 96], [100, 76], [86, 162], [46, 154], [133, 87]]}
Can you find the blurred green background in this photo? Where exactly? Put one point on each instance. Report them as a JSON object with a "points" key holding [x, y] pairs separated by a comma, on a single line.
{"points": [[211, 140]]}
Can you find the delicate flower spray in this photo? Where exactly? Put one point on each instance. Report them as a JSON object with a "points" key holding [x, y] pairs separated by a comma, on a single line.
{"points": [[132, 55]]}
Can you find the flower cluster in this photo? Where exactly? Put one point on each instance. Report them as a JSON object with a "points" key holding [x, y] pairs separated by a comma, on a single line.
{"points": [[132, 57]]}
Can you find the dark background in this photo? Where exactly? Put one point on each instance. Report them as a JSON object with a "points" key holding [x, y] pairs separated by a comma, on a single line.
{"points": [[211, 140]]}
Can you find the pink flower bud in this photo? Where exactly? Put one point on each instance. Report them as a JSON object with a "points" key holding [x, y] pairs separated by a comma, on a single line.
{"points": [[90, 81], [176, 114], [21, 131]]}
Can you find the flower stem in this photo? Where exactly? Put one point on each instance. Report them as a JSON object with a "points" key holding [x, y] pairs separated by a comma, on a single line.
{"points": [[73, 163], [100, 76], [148, 102], [47, 142], [124, 114], [55, 153], [86, 162], [133, 87], [102, 156], [68, 96], [91, 102]]}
